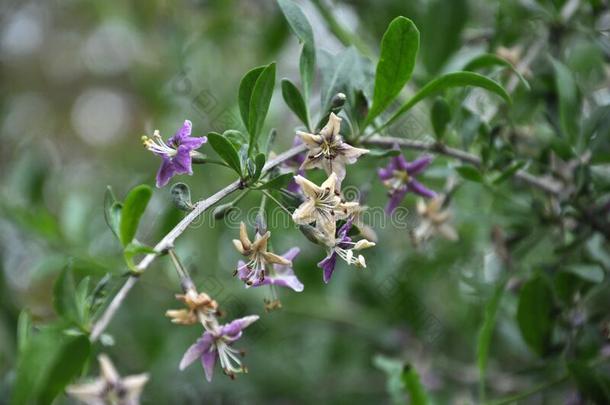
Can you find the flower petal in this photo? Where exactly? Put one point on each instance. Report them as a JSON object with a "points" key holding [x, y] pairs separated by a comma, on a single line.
{"points": [[194, 142], [396, 198], [208, 359], [310, 189], [183, 132], [234, 328], [183, 160], [196, 350], [420, 189], [305, 213], [418, 165], [166, 172], [328, 266]]}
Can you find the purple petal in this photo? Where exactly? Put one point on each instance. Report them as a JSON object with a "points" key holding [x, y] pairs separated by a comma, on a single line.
{"points": [[290, 254], [208, 359], [328, 266], [183, 132], [242, 270], [420, 189], [287, 280], [385, 173], [183, 161], [166, 171], [196, 350], [418, 165], [400, 163], [395, 199], [345, 228], [233, 330], [194, 142]]}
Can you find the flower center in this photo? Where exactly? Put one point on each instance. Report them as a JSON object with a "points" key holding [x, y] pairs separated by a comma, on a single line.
{"points": [[157, 145], [398, 180], [229, 360]]}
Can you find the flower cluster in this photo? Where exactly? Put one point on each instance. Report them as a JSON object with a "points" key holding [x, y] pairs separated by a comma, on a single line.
{"points": [[217, 339]]}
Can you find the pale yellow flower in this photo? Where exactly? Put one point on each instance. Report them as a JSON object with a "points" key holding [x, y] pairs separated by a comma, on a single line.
{"points": [[328, 151], [109, 387], [434, 220], [323, 205]]}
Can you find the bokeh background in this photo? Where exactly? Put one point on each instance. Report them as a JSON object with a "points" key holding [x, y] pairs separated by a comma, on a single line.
{"points": [[81, 81]]}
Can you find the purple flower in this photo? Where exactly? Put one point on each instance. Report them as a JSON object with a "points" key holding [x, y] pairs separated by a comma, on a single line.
{"points": [[282, 274], [217, 344], [343, 248], [398, 177], [176, 154]]}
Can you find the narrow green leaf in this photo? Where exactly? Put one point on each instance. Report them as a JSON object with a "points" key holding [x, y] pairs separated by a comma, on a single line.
{"points": [[487, 60], [440, 115], [225, 149], [246, 87], [259, 103], [132, 250], [485, 335], [236, 137], [133, 207], [24, 329], [534, 314], [470, 173], [277, 183], [442, 24], [455, 79], [594, 385], [64, 296], [112, 211], [399, 47], [415, 389], [302, 29], [509, 172], [294, 100], [569, 105], [259, 162]]}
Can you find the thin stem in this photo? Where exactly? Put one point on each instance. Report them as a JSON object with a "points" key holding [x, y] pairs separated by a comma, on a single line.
{"points": [[549, 186], [168, 240], [185, 279], [278, 203]]}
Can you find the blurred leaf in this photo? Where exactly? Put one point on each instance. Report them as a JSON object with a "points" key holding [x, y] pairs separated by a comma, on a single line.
{"points": [[569, 105], [485, 335], [470, 173], [112, 211], [487, 60], [590, 272], [132, 250], [277, 183], [24, 329], [509, 172], [534, 314], [295, 101], [225, 149], [592, 384], [394, 371], [399, 47], [133, 207], [302, 29], [440, 115], [259, 103], [381, 153], [64, 296], [438, 44], [415, 389], [49, 361], [455, 79]]}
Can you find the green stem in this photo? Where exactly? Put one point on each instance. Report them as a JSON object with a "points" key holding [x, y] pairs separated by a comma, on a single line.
{"points": [[279, 204]]}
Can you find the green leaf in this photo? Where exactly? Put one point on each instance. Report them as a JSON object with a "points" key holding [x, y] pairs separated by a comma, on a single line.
{"points": [[81, 301], [454, 79], [302, 29], [225, 149], [133, 207], [485, 335], [246, 87], [415, 389], [399, 47], [440, 115], [24, 329], [593, 273], [569, 105], [394, 372], [132, 250], [594, 385], [487, 60], [112, 211], [470, 173], [508, 172], [50, 360], [64, 296], [294, 100], [535, 314], [259, 103], [339, 74], [235, 137], [259, 162], [277, 183]]}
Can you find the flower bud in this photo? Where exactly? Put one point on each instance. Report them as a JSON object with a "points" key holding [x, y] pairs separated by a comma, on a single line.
{"points": [[312, 234], [337, 102], [181, 197], [222, 210]]}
